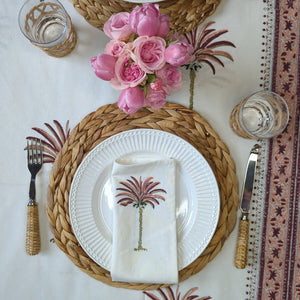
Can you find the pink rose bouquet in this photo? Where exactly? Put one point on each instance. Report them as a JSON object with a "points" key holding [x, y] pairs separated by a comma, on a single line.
{"points": [[139, 60]]}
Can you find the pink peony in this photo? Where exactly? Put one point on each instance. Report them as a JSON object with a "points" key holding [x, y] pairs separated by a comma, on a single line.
{"points": [[145, 20], [128, 74], [156, 99], [178, 54], [115, 48], [170, 77], [131, 100], [117, 26], [149, 53], [164, 25], [104, 66]]}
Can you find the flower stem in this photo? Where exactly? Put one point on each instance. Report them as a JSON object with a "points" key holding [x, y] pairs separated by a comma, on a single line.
{"points": [[192, 84]]}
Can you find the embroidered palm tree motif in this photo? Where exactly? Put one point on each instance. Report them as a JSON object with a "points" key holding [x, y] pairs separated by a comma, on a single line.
{"points": [[168, 294], [204, 44], [140, 193], [53, 141]]}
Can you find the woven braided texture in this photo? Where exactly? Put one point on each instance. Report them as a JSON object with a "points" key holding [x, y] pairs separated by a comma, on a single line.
{"points": [[184, 14], [63, 49], [109, 120], [66, 47], [33, 243], [240, 259]]}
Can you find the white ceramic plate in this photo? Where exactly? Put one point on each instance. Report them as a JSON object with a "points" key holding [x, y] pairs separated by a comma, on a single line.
{"points": [[197, 193]]}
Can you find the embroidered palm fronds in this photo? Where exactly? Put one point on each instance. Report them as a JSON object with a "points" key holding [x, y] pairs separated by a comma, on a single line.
{"points": [[139, 193], [53, 141], [168, 294], [204, 44]]}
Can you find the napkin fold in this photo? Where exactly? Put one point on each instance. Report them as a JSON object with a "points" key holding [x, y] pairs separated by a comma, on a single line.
{"points": [[144, 247]]}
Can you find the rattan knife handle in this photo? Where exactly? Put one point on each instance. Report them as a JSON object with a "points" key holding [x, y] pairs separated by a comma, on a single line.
{"points": [[33, 243], [240, 260]]}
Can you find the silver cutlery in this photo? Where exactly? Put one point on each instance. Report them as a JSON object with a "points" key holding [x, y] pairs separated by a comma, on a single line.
{"points": [[35, 162], [240, 260]]}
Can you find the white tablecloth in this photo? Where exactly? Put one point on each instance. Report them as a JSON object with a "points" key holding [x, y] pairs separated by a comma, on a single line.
{"points": [[36, 88]]}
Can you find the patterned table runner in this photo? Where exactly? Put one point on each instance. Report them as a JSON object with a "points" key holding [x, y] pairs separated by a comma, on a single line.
{"points": [[274, 272]]}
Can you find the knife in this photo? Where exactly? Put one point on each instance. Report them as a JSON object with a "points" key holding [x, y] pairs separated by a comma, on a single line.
{"points": [[240, 260]]}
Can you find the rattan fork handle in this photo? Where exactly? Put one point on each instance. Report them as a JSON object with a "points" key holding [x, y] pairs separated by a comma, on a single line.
{"points": [[33, 243], [240, 259]]}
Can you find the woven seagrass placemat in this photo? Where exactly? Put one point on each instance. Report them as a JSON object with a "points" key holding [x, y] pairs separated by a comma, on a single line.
{"points": [[184, 14], [109, 120]]}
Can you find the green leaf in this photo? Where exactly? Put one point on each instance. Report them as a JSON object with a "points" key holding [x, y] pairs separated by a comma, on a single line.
{"points": [[171, 43], [151, 78], [145, 91]]}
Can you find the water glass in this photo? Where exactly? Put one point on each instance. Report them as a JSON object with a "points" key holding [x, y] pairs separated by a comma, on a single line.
{"points": [[262, 115], [47, 25]]}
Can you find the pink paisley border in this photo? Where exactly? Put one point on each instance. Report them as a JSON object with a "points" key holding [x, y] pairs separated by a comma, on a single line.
{"points": [[279, 273]]}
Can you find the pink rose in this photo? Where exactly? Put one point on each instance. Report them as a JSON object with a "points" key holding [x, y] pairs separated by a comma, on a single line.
{"points": [[128, 74], [170, 77], [115, 48], [178, 54], [104, 66], [164, 25], [117, 26], [176, 37], [156, 99], [144, 20], [131, 100], [157, 85], [149, 53]]}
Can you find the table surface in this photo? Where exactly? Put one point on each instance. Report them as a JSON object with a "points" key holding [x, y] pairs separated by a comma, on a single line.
{"points": [[37, 89]]}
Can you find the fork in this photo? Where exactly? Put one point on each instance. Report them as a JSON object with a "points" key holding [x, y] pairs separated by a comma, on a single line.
{"points": [[35, 162]]}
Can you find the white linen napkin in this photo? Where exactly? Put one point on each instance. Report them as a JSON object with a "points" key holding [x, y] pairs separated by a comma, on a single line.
{"points": [[144, 247]]}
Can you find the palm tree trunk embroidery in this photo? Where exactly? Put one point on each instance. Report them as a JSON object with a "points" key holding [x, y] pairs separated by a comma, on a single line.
{"points": [[140, 246], [140, 193]]}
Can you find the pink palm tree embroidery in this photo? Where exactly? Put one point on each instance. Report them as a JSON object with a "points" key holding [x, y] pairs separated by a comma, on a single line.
{"points": [[168, 294], [203, 42], [53, 141], [140, 193]]}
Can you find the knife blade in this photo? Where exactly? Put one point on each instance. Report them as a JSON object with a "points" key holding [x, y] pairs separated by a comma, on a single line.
{"points": [[242, 242]]}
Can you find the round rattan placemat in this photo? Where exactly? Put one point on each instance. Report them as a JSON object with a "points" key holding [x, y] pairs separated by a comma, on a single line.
{"points": [[184, 14], [109, 120]]}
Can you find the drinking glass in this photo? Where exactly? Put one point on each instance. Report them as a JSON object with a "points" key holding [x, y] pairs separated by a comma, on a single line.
{"points": [[262, 115], [47, 25]]}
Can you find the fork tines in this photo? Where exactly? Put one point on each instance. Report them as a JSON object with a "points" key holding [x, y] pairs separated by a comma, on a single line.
{"points": [[34, 151]]}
